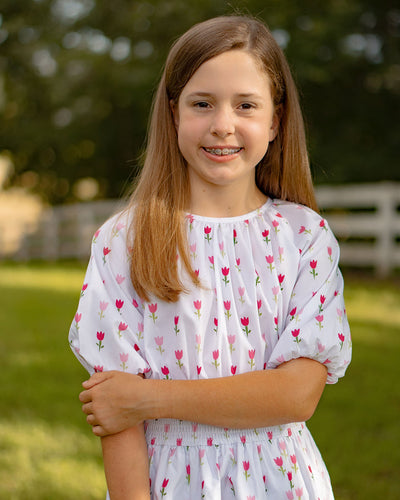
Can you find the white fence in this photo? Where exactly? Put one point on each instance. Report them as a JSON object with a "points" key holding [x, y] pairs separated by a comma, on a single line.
{"points": [[365, 219]]}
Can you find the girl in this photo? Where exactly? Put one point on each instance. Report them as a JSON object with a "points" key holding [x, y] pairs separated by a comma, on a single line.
{"points": [[212, 309]]}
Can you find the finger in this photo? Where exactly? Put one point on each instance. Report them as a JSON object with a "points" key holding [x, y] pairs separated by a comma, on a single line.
{"points": [[85, 397], [87, 408], [91, 420], [95, 379], [99, 431]]}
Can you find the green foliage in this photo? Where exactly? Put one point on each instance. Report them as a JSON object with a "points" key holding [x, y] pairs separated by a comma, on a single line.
{"points": [[47, 450], [78, 78]]}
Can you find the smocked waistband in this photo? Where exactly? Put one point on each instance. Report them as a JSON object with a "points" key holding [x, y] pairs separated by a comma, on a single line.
{"points": [[181, 433]]}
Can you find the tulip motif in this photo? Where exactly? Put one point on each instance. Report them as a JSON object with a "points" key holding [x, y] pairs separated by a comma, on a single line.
{"points": [[246, 467], [100, 338], [153, 310], [163, 486]]}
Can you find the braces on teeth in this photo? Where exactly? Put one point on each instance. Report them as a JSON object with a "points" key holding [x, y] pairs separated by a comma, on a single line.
{"points": [[222, 152]]}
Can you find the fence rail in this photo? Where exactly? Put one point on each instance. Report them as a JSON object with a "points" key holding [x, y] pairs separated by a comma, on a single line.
{"points": [[365, 219]]}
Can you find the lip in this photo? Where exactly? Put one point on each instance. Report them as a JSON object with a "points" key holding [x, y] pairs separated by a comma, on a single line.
{"points": [[221, 158]]}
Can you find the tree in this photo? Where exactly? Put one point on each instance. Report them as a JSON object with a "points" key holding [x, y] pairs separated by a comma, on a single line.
{"points": [[79, 75]]}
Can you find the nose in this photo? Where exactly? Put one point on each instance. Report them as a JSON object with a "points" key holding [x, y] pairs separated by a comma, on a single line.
{"points": [[222, 123]]}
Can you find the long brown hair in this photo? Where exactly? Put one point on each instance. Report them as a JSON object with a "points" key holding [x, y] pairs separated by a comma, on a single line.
{"points": [[157, 232]]}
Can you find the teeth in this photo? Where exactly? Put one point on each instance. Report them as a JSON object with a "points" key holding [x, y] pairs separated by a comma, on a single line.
{"points": [[222, 152]]}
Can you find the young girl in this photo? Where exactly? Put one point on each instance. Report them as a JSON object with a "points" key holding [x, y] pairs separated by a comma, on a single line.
{"points": [[212, 309]]}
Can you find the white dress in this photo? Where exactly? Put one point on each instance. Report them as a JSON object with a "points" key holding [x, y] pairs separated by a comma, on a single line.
{"points": [[271, 292]]}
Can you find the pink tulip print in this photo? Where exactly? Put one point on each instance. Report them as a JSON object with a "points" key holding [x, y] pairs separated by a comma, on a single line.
{"points": [[77, 318], [329, 249], [84, 288], [241, 291], [246, 467], [322, 224], [245, 323], [313, 265], [106, 251], [231, 340], [165, 372], [265, 235], [193, 248], [159, 341], [293, 459], [215, 325], [235, 237], [197, 306], [221, 248], [140, 328], [290, 477], [289, 495], [225, 274], [320, 319], [275, 223], [176, 321], [259, 304], [119, 279], [296, 334], [281, 278], [207, 232], [95, 236], [322, 299], [100, 338], [188, 474], [163, 486], [251, 361], [211, 260], [119, 304], [279, 463], [299, 493], [179, 356], [124, 359], [215, 358], [103, 307], [153, 310], [270, 261], [341, 338], [121, 328], [227, 306]]}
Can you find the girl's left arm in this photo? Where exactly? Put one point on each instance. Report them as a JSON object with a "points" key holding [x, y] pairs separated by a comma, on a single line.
{"points": [[289, 393]]}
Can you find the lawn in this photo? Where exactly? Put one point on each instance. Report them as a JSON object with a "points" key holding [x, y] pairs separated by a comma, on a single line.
{"points": [[48, 452]]}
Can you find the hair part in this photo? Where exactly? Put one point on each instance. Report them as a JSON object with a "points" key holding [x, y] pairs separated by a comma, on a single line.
{"points": [[157, 232]]}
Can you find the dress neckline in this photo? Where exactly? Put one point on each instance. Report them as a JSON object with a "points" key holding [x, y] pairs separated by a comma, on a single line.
{"points": [[237, 218]]}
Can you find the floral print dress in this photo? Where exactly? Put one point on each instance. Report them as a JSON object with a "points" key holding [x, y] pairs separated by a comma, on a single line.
{"points": [[271, 292]]}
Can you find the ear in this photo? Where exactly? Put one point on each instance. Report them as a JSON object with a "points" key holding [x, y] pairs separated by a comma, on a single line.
{"points": [[273, 131], [175, 113]]}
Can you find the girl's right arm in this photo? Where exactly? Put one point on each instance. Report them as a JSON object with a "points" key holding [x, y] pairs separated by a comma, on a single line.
{"points": [[126, 464]]}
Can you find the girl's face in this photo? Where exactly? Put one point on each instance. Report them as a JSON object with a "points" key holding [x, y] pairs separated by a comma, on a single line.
{"points": [[225, 120]]}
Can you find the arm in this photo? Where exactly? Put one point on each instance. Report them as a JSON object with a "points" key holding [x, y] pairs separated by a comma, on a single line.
{"points": [[126, 464], [288, 393]]}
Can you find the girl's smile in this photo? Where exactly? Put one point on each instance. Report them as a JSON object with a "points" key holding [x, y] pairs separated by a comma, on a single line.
{"points": [[225, 120]]}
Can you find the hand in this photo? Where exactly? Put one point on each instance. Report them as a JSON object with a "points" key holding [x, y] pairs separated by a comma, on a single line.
{"points": [[112, 401]]}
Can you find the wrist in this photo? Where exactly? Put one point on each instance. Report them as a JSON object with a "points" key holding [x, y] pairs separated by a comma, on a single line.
{"points": [[157, 399]]}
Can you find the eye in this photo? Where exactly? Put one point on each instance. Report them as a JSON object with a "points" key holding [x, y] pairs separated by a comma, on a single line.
{"points": [[247, 106], [201, 104]]}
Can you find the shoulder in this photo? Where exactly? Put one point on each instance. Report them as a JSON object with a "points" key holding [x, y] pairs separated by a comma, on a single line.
{"points": [[306, 225], [112, 236]]}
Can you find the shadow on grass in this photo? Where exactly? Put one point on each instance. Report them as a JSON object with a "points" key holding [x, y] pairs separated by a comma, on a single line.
{"points": [[356, 423]]}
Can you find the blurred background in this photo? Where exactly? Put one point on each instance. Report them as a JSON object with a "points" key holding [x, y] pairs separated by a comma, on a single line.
{"points": [[77, 79]]}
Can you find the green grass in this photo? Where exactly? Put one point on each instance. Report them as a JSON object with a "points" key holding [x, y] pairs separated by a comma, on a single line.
{"points": [[48, 452]]}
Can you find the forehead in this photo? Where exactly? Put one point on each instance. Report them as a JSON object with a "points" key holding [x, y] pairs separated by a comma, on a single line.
{"points": [[235, 69]]}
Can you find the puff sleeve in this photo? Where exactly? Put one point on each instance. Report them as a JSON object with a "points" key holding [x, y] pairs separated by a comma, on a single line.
{"points": [[107, 330], [315, 323]]}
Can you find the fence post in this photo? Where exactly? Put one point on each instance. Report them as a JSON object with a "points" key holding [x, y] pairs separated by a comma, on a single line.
{"points": [[386, 211]]}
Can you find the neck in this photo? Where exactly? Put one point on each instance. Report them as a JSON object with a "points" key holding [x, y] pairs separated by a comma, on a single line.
{"points": [[225, 201]]}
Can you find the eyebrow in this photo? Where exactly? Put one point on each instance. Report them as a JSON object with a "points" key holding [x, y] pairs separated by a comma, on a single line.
{"points": [[244, 95]]}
